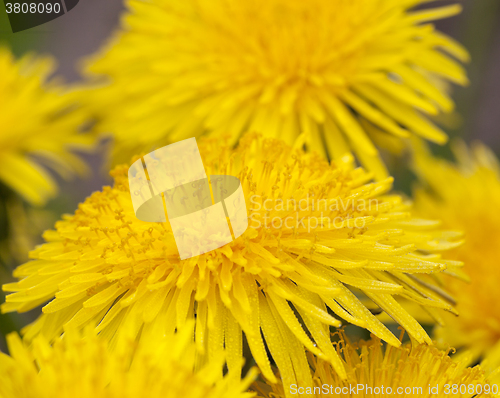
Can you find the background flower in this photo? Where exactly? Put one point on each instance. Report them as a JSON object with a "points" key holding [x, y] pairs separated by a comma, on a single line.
{"points": [[105, 267], [347, 72], [466, 195], [408, 371], [39, 124], [85, 367]]}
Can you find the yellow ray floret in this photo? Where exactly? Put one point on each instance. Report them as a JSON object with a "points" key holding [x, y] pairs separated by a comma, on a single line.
{"points": [[76, 367], [377, 371], [39, 124], [340, 70], [321, 238], [466, 195]]}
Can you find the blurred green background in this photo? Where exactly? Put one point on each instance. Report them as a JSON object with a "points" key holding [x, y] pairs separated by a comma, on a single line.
{"points": [[90, 24]]}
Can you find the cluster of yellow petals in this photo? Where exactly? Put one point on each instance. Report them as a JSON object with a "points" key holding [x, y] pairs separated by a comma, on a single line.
{"points": [[328, 243], [348, 72], [105, 267], [374, 370], [40, 124], [83, 366], [466, 195]]}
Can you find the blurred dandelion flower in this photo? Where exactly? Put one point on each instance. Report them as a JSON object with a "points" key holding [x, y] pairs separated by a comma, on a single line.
{"points": [[85, 367], [377, 371], [346, 72], [105, 267], [38, 126], [466, 195]]}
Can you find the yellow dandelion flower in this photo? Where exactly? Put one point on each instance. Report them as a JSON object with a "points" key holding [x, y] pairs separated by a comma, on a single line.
{"points": [[343, 71], [38, 125], [298, 261], [377, 371], [75, 367], [466, 195]]}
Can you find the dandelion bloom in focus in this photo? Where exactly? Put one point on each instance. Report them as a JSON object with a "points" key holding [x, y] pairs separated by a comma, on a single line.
{"points": [[84, 367], [377, 371], [349, 73], [103, 266], [38, 126], [466, 195]]}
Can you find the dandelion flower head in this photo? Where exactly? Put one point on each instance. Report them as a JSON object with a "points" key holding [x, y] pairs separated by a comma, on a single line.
{"points": [[76, 367], [348, 72], [466, 195], [380, 371], [39, 125], [296, 271]]}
